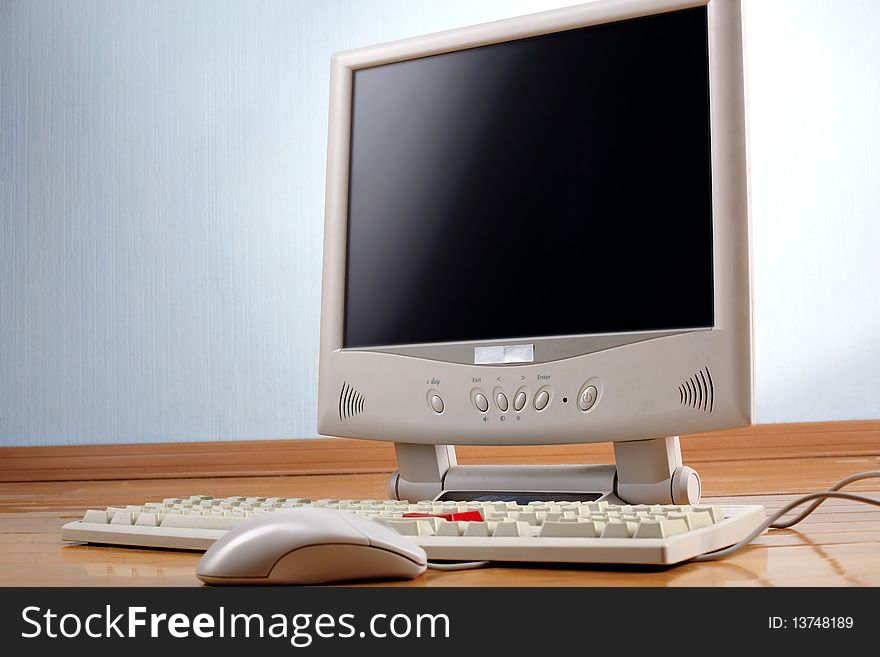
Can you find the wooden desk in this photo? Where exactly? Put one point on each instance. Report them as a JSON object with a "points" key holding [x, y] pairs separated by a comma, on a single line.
{"points": [[838, 546]]}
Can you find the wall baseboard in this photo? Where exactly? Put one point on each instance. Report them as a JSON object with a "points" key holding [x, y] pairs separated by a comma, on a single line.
{"points": [[347, 456]]}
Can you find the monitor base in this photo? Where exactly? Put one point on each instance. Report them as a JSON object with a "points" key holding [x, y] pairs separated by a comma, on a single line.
{"points": [[645, 472]]}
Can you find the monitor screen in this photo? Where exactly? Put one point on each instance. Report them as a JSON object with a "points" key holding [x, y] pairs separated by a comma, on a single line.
{"points": [[552, 186]]}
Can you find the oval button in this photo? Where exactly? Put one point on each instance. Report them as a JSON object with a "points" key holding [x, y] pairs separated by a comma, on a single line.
{"points": [[437, 403], [501, 400], [541, 400], [588, 398], [519, 401], [481, 402]]}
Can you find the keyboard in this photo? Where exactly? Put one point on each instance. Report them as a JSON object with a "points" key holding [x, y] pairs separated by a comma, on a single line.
{"points": [[538, 531]]}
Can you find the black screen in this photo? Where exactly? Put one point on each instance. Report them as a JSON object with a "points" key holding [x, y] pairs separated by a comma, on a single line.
{"points": [[556, 185]]}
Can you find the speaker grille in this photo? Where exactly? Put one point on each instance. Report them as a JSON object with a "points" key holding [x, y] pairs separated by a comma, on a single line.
{"points": [[351, 403], [698, 391]]}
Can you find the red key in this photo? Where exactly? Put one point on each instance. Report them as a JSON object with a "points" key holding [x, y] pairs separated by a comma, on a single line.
{"points": [[465, 516]]}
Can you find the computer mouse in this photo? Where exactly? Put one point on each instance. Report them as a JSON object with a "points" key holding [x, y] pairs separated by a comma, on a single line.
{"points": [[309, 546]]}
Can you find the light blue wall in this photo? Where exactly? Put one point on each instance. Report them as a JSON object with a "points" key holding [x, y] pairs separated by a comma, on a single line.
{"points": [[161, 201], [814, 92]]}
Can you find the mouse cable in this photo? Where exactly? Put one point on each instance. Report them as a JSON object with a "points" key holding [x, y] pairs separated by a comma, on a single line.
{"points": [[771, 522], [870, 474]]}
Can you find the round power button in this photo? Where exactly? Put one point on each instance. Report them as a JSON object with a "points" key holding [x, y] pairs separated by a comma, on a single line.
{"points": [[587, 398]]}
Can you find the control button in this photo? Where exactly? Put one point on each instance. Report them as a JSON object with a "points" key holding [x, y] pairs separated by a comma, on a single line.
{"points": [[541, 400], [437, 403], [501, 400], [481, 402], [588, 398], [519, 401]]}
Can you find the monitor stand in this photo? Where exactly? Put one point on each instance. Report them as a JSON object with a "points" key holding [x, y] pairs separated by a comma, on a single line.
{"points": [[645, 472]]}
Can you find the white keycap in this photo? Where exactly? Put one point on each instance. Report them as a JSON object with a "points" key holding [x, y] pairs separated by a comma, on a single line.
{"points": [[621, 529], [568, 530], [529, 517], [716, 514], [447, 528], [688, 519], [99, 517], [112, 511], [511, 528], [433, 522], [122, 518], [147, 519], [407, 527], [660, 528], [200, 522], [697, 519], [474, 528]]}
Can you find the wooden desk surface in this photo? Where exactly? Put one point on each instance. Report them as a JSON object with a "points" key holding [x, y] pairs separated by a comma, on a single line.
{"points": [[838, 546]]}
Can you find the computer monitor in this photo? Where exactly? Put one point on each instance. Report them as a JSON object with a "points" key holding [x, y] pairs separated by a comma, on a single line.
{"points": [[537, 232]]}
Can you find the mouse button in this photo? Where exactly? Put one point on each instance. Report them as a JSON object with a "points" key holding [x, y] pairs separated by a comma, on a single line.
{"points": [[298, 527], [386, 538], [401, 546], [322, 564], [246, 554]]}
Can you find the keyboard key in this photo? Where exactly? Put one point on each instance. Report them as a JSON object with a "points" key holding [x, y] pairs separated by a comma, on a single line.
{"points": [[529, 517], [112, 511], [688, 519], [511, 528], [147, 520], [621, 529], [568, 530], [452, 517], [445, 528], [410, 527], [657, 528], [200, 522], [99, 517], [122, 518], [477, 529], [713, 512]]}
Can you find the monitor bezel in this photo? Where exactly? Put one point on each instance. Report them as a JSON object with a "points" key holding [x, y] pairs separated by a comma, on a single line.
{"points": [[732, 330]]}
